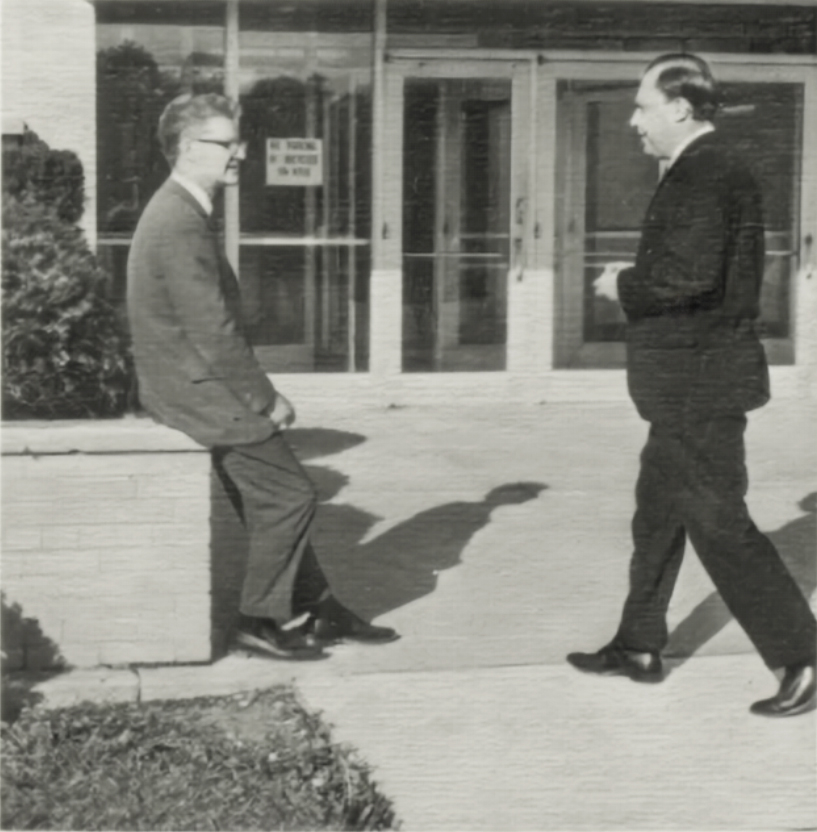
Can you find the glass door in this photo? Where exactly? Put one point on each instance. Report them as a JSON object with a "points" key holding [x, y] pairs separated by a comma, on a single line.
{"points": [[464, 223], [605, 182], [305, 197]]}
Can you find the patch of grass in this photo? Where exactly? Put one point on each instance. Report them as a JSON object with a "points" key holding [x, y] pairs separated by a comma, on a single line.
{"points": [[252, 761]]}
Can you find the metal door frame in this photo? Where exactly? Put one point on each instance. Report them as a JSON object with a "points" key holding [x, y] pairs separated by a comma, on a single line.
{"points": [[520, 69], [728, 68]]}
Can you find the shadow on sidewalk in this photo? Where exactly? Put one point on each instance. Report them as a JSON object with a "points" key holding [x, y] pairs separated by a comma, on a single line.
{"points": [[391, 570], [401, 565], [794, 542]]}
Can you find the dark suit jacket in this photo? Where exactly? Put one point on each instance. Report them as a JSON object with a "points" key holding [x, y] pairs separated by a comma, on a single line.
{"points": [[693, 295], [196, 371]]}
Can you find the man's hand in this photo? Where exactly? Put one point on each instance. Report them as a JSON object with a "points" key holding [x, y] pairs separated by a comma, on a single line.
{"points": [[606, 286], [283, 414]]}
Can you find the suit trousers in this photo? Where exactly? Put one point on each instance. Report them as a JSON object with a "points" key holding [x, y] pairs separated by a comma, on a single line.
{"points": [[277, 502], [692, 484]]}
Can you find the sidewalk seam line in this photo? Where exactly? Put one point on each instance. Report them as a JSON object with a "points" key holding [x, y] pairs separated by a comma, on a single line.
{"points": [[138, 676]]}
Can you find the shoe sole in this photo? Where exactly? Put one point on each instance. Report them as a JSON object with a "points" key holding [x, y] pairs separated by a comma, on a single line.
{"points": [[648, 679], [328, 642], [263, 647], [806, 707], [633, 676], [628, 673], [373, 642]]}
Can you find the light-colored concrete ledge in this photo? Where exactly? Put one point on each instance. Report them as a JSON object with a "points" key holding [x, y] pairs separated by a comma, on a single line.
{"points": [[99, 685], [130, 434]]}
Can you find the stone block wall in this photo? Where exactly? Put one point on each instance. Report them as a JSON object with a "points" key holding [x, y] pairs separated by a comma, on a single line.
{"points": [[106, 545]]}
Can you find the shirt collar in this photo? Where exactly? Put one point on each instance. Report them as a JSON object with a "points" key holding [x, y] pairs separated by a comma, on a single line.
{"points": [[701, 131], [195, 191]]}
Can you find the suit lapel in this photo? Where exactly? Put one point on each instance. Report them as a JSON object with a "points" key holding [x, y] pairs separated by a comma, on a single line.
{"points": [[228, 276]]}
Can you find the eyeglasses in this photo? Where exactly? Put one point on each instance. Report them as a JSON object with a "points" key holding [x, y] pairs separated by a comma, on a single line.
{"points": [[233, 145]]}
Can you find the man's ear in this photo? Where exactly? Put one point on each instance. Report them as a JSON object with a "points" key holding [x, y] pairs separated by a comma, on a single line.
{"points": [[185, 143], [682, 109]]}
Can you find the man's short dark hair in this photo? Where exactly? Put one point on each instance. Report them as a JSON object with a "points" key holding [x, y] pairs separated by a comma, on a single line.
{"points": [[186, 111], [687, 76]]}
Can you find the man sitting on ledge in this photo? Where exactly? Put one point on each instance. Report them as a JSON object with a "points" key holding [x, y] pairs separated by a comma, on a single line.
{"points": [[198, 374]]}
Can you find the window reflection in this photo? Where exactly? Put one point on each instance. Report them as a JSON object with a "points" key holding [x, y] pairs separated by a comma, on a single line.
{"points": [[607, 183], [304, 248], [456, 224], [140, 68], [305, 216]]}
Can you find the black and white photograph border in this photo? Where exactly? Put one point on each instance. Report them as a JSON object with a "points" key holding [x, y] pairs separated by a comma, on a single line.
{"points": [[390, 389]]}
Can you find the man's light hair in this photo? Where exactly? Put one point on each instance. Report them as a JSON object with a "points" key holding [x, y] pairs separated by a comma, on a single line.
{"points": [[682, 75], [188, 111]]}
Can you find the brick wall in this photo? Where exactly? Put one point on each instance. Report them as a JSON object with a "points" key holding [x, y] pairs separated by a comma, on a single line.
{"points": [[106, 545]]}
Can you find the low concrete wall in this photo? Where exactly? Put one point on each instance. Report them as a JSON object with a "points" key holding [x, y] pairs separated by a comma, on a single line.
{"points": [[106, 544]]}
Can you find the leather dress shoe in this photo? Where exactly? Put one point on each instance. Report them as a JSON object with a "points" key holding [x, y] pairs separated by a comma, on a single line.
{"points": [[333, 623], [264, 636], [616, 661], [796, 694]]}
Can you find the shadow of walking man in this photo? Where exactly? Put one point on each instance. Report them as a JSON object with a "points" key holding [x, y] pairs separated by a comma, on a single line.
{"points": [[797, 544], [371, 578], [401, 565]]}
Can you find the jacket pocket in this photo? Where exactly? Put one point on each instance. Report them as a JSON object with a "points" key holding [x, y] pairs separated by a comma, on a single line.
{"points": [[660, 380]]}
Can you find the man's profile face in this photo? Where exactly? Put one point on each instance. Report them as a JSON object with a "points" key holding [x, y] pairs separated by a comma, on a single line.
{"points": [[214, 152], [656, 118]]}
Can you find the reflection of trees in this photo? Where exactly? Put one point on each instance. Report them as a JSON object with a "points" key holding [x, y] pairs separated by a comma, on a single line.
{"points": [[284, 287], [286, 107], [132, 91], [276, 108]]}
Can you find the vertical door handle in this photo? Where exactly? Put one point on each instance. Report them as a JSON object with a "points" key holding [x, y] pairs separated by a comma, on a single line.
{"points": [[518, 253], [518, 265], [520, 210]]}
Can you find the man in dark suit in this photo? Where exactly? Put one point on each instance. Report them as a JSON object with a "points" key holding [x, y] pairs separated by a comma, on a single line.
{"points": [[198, 374], [695, 366]]}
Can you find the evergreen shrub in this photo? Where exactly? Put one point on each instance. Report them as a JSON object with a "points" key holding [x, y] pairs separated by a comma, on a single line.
{"points": [[65, 351]]}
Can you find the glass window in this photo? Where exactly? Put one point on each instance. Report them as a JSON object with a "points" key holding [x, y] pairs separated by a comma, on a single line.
{"points": [[606, 183], [456, 223], [140, 68], [305, 191], [305, 80], [146, 56]]}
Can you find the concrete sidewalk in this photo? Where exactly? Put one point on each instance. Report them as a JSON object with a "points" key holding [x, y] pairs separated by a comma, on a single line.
{"points": [[496, 540]]}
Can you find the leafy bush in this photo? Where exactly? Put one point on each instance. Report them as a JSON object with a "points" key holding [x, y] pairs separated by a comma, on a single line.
{"points": [[257, 761], [54, 178], [65, 352]]}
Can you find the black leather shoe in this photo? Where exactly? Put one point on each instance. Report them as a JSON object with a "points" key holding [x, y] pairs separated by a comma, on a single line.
{"points": [[615, 661], [333, 623], [265, 637], [796, 694]]}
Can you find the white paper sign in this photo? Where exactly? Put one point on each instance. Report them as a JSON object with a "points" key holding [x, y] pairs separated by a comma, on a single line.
{"points": [[294, 162]]}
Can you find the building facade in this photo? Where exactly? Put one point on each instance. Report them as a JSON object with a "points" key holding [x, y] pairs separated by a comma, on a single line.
{"points": [[431, 186]]}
